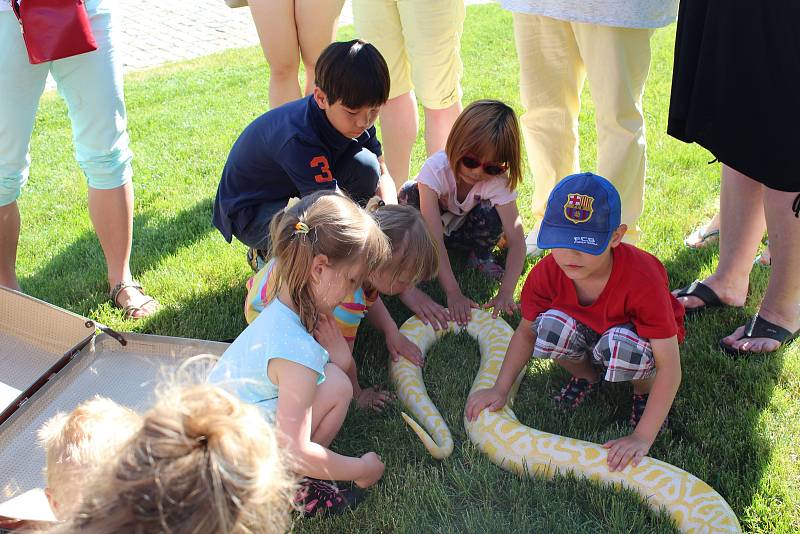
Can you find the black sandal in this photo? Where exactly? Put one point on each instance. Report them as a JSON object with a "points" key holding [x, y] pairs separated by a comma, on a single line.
{"points": [[701, 291], [758, 327]]}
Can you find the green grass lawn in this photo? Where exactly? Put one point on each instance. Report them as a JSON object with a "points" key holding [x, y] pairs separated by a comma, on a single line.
{"points": [[735, 423]]}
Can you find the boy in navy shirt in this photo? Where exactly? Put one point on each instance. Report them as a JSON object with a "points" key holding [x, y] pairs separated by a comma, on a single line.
{"points": [[599, 308], [324, 141]]}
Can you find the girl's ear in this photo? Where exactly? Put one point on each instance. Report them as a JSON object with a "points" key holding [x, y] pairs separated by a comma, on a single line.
{"points": [[319, 262]]}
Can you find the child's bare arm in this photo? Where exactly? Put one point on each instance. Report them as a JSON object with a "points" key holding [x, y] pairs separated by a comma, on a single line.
{"points": [[397, 344], [387, 189], [632, 448], [515, 261], [297, 386], [459, 305], [517, 355]]}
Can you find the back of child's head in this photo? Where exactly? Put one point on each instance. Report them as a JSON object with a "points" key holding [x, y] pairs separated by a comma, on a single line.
{"points": [[76, 443], [202, 462], [487, 129], [353, 72], [414, 251], [324, 223]]}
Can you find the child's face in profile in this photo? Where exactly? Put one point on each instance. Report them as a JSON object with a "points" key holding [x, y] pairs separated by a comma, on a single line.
{"points": [[350, 122], [336, 282], [388, 282]]}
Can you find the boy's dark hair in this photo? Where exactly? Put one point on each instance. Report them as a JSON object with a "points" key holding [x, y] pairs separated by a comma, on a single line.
{"points": [[353, 72]]}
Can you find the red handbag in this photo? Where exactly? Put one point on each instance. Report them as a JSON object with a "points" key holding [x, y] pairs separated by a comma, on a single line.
{"points": [[54, 29]]}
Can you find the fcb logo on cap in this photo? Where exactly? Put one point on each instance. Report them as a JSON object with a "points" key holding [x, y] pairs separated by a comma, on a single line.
{"points": [[578, 208]]}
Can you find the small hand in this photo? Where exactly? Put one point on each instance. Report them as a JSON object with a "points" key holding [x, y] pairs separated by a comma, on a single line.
{"points": [[328, 335], [424, 307], [373, 470], [399, 345], [502, 303], [460, 307], [374, 398], [483, 398], [630, 449]]}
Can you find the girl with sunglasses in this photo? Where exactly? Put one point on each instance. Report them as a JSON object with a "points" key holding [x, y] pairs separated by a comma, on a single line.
{"points": [[467, 196]]}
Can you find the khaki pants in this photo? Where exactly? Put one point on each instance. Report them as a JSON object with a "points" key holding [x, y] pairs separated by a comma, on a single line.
{"points": [[555, 58]]}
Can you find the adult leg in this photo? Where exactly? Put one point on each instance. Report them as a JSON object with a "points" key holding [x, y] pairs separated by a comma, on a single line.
{"points": [[91, 84], [330, 404], [617, 63], [551, 77], [21, 85], [276, 26], [399, 127], [316, 28], [781, 303], [742, 223], [438, 123]]}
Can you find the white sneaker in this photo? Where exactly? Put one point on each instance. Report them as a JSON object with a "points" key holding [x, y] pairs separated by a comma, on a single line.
{"points": [[531, 250]]}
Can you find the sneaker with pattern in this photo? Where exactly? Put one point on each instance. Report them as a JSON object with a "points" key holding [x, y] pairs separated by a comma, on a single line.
{"points": [[638, 404], [318, 497], [574, 393]]}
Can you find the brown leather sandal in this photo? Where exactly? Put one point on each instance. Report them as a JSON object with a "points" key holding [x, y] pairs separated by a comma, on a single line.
{"points": [[131, 310]]}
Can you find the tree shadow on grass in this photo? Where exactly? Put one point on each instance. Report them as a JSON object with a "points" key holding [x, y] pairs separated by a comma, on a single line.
{"points": [[76, 277], [716, 428]]}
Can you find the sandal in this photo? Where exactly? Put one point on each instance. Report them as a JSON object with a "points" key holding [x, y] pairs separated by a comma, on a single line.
{"points": [[487, 266], [148, 306], [574, 393], [765, 258], [758, 327], [701, 291], [318, 497], [700, 238]]}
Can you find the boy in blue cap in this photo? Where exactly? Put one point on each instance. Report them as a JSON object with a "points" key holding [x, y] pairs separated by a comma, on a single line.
{"points": [[601, 309], [323, 141]]}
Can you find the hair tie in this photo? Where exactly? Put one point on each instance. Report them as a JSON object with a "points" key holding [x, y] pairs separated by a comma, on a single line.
{"points": [[301, 228]]}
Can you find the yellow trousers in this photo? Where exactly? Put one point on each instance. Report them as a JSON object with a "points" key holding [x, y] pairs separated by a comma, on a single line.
{"points": [[556, 57]]}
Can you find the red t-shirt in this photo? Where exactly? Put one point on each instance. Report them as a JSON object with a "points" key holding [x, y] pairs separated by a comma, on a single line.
{"points": [[636, 292]]}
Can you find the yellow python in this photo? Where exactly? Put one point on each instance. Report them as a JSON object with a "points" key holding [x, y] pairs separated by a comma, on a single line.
{"points": [[692, 503]]}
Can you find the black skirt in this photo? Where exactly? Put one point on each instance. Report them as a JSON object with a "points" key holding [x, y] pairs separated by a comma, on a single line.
{"points": [[736, 85]]}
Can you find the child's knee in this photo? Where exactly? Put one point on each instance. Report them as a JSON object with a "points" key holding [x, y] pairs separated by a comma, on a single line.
{"points": [[625, 355], [338, 384], [557, 336], [358, 176]]}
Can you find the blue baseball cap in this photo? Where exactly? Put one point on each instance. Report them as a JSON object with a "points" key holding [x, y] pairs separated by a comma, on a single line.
{"points": [[582, 212]]}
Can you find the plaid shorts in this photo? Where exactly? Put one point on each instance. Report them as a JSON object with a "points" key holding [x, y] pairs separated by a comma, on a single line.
{"points": [[623, 354]]}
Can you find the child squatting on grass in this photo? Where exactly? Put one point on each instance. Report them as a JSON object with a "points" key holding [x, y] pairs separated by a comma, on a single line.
{"points": [[413, 258], [467, 196], [601, 309], [325, 141], [199, 462], [76, 443], [289, 360]]}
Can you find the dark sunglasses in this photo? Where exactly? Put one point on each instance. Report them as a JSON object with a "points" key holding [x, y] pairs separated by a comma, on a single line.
{"points": [[492, 168]]}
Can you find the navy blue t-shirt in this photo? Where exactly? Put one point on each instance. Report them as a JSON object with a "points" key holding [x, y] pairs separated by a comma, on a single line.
{"points": [[290, 151]]}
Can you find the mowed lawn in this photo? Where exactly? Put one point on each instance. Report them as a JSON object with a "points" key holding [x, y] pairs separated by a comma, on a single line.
{"points": [[735, 422]]}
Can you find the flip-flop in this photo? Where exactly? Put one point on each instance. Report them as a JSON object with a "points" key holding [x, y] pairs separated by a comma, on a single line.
{"points": [[758, 327], [701, 291], [698, 239]]}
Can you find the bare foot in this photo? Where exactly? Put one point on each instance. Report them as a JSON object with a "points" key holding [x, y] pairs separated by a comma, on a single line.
{"points": [[704, 235], [374, 398], [764, 259], [732, 295]]}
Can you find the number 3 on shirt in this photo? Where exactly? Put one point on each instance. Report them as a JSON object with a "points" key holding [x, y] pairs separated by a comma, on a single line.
{"points": [[322, 163]]}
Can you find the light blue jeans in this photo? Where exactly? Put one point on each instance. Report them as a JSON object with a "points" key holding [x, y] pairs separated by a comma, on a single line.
{"points": [[91, 85]]}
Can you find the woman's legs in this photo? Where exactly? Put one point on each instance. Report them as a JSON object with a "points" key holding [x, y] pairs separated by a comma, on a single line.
{"points": [[399, 126], [9, 238], [741, 227], [329, 408], [316, 29], [275, 22], [781, 302]]}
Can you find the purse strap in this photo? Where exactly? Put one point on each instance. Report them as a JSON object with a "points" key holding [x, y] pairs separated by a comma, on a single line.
{"points": [[15, 7]]}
